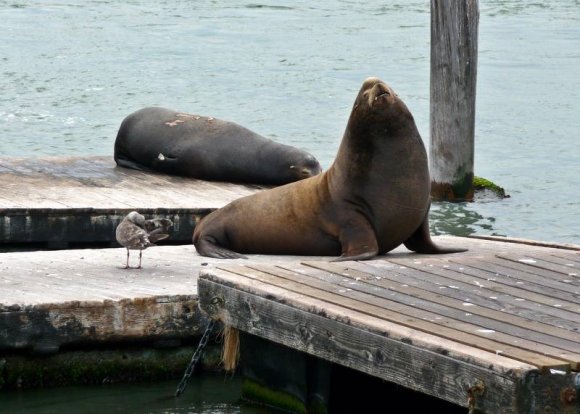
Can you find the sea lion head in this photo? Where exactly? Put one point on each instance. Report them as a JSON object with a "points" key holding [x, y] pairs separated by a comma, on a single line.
{"points": [[380, 138], [288, 164], [304, 166], [378, 105]]}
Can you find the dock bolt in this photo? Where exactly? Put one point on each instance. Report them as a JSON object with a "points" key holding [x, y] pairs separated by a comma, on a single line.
{"points": [[216, 300], [215, 308], [475, 391], [568, 396]]}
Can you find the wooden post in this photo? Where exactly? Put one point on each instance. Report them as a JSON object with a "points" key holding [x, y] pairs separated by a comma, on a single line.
{"points": [[453, 77]]}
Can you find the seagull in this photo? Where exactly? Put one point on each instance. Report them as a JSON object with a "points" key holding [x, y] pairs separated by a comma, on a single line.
{"points": [[136, 233]]}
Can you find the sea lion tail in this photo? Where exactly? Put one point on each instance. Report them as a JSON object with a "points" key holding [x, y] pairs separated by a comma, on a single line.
{"points": [[421, 242], [206, 247]]}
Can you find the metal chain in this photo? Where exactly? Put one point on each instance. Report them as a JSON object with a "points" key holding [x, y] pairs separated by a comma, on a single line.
{"points": [[195, 358]]}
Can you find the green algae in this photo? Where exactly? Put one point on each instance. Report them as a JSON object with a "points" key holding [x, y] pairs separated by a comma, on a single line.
{"points": [[482, 184], [260, 394], [90, 367]]}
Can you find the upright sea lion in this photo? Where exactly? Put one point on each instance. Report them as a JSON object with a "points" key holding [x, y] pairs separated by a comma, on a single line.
{"points": [[375, 196], [207, 148]]}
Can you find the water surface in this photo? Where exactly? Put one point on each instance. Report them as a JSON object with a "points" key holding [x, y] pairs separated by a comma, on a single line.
{"points": [[72, 70], [205, 394]]}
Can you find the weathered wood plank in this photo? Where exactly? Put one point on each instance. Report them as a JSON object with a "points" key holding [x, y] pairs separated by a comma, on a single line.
{"points": [[526, 242], [45, 328], [44, 292], [346, 296], [567, 258], [344, 340], [493, 319], [94, 174], [457, 272], [550, 276], [52, 199], [253, 300], [542, 265], [468, 290], [530, 282]]}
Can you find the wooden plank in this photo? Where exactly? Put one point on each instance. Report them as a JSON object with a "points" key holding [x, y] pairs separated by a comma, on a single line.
{"points": [[530, 282], [566, 259], [97, 182], [406, 315], [527, 242], [45, 328], [490, 318], [69, 274], [54, 298], [457, 271], [6, 202], [523, 269], [536, 265], [469, 291], [149, 184], [183, 185], [81, 200], [309, 325]]}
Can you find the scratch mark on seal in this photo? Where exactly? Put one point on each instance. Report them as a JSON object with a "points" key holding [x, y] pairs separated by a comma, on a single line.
{"points": [[174, 123]]}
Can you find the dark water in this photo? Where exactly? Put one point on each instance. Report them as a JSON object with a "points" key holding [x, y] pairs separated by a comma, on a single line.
{"points": [[205, 394]]}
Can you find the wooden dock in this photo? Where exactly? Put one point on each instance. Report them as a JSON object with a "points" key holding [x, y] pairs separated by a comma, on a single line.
{"points": [[496, 328], [59, 202], [63, 298]]}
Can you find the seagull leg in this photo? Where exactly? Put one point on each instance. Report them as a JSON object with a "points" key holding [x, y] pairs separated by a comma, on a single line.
{"points": [[127, 264], [140, 253]]}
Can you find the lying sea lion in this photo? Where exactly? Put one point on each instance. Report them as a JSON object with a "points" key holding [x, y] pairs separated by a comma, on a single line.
{"points": [[159, 139]]}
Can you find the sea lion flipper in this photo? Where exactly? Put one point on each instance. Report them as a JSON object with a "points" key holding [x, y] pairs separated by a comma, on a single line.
{"points": [[362, 256], [358, 240], [421, 242], [209, 248], [127, 163]]}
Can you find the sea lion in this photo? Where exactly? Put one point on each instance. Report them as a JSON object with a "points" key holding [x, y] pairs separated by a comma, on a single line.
{"points": [[374, 197], [207, 148]]}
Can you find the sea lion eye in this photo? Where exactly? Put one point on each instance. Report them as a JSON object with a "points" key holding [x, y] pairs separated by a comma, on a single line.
{"points": [[292, 166]]}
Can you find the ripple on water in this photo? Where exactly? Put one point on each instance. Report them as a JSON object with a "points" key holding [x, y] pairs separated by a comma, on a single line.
{"points": [[73, 70]]}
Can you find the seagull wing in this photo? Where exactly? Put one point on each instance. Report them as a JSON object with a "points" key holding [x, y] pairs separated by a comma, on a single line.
{"points": [[132, 236]]}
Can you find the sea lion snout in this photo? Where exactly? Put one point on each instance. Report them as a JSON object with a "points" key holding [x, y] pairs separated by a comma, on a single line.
{"points": [[379, 93], [307, 167], [375, 92]]}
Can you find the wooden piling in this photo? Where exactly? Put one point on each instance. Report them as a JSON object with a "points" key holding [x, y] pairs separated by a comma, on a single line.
{"points": [[454, 27]]}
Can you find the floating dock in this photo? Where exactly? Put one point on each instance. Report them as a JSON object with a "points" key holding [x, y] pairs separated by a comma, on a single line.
{"points": [[63, 298], [496, 328], [58, 202]]}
